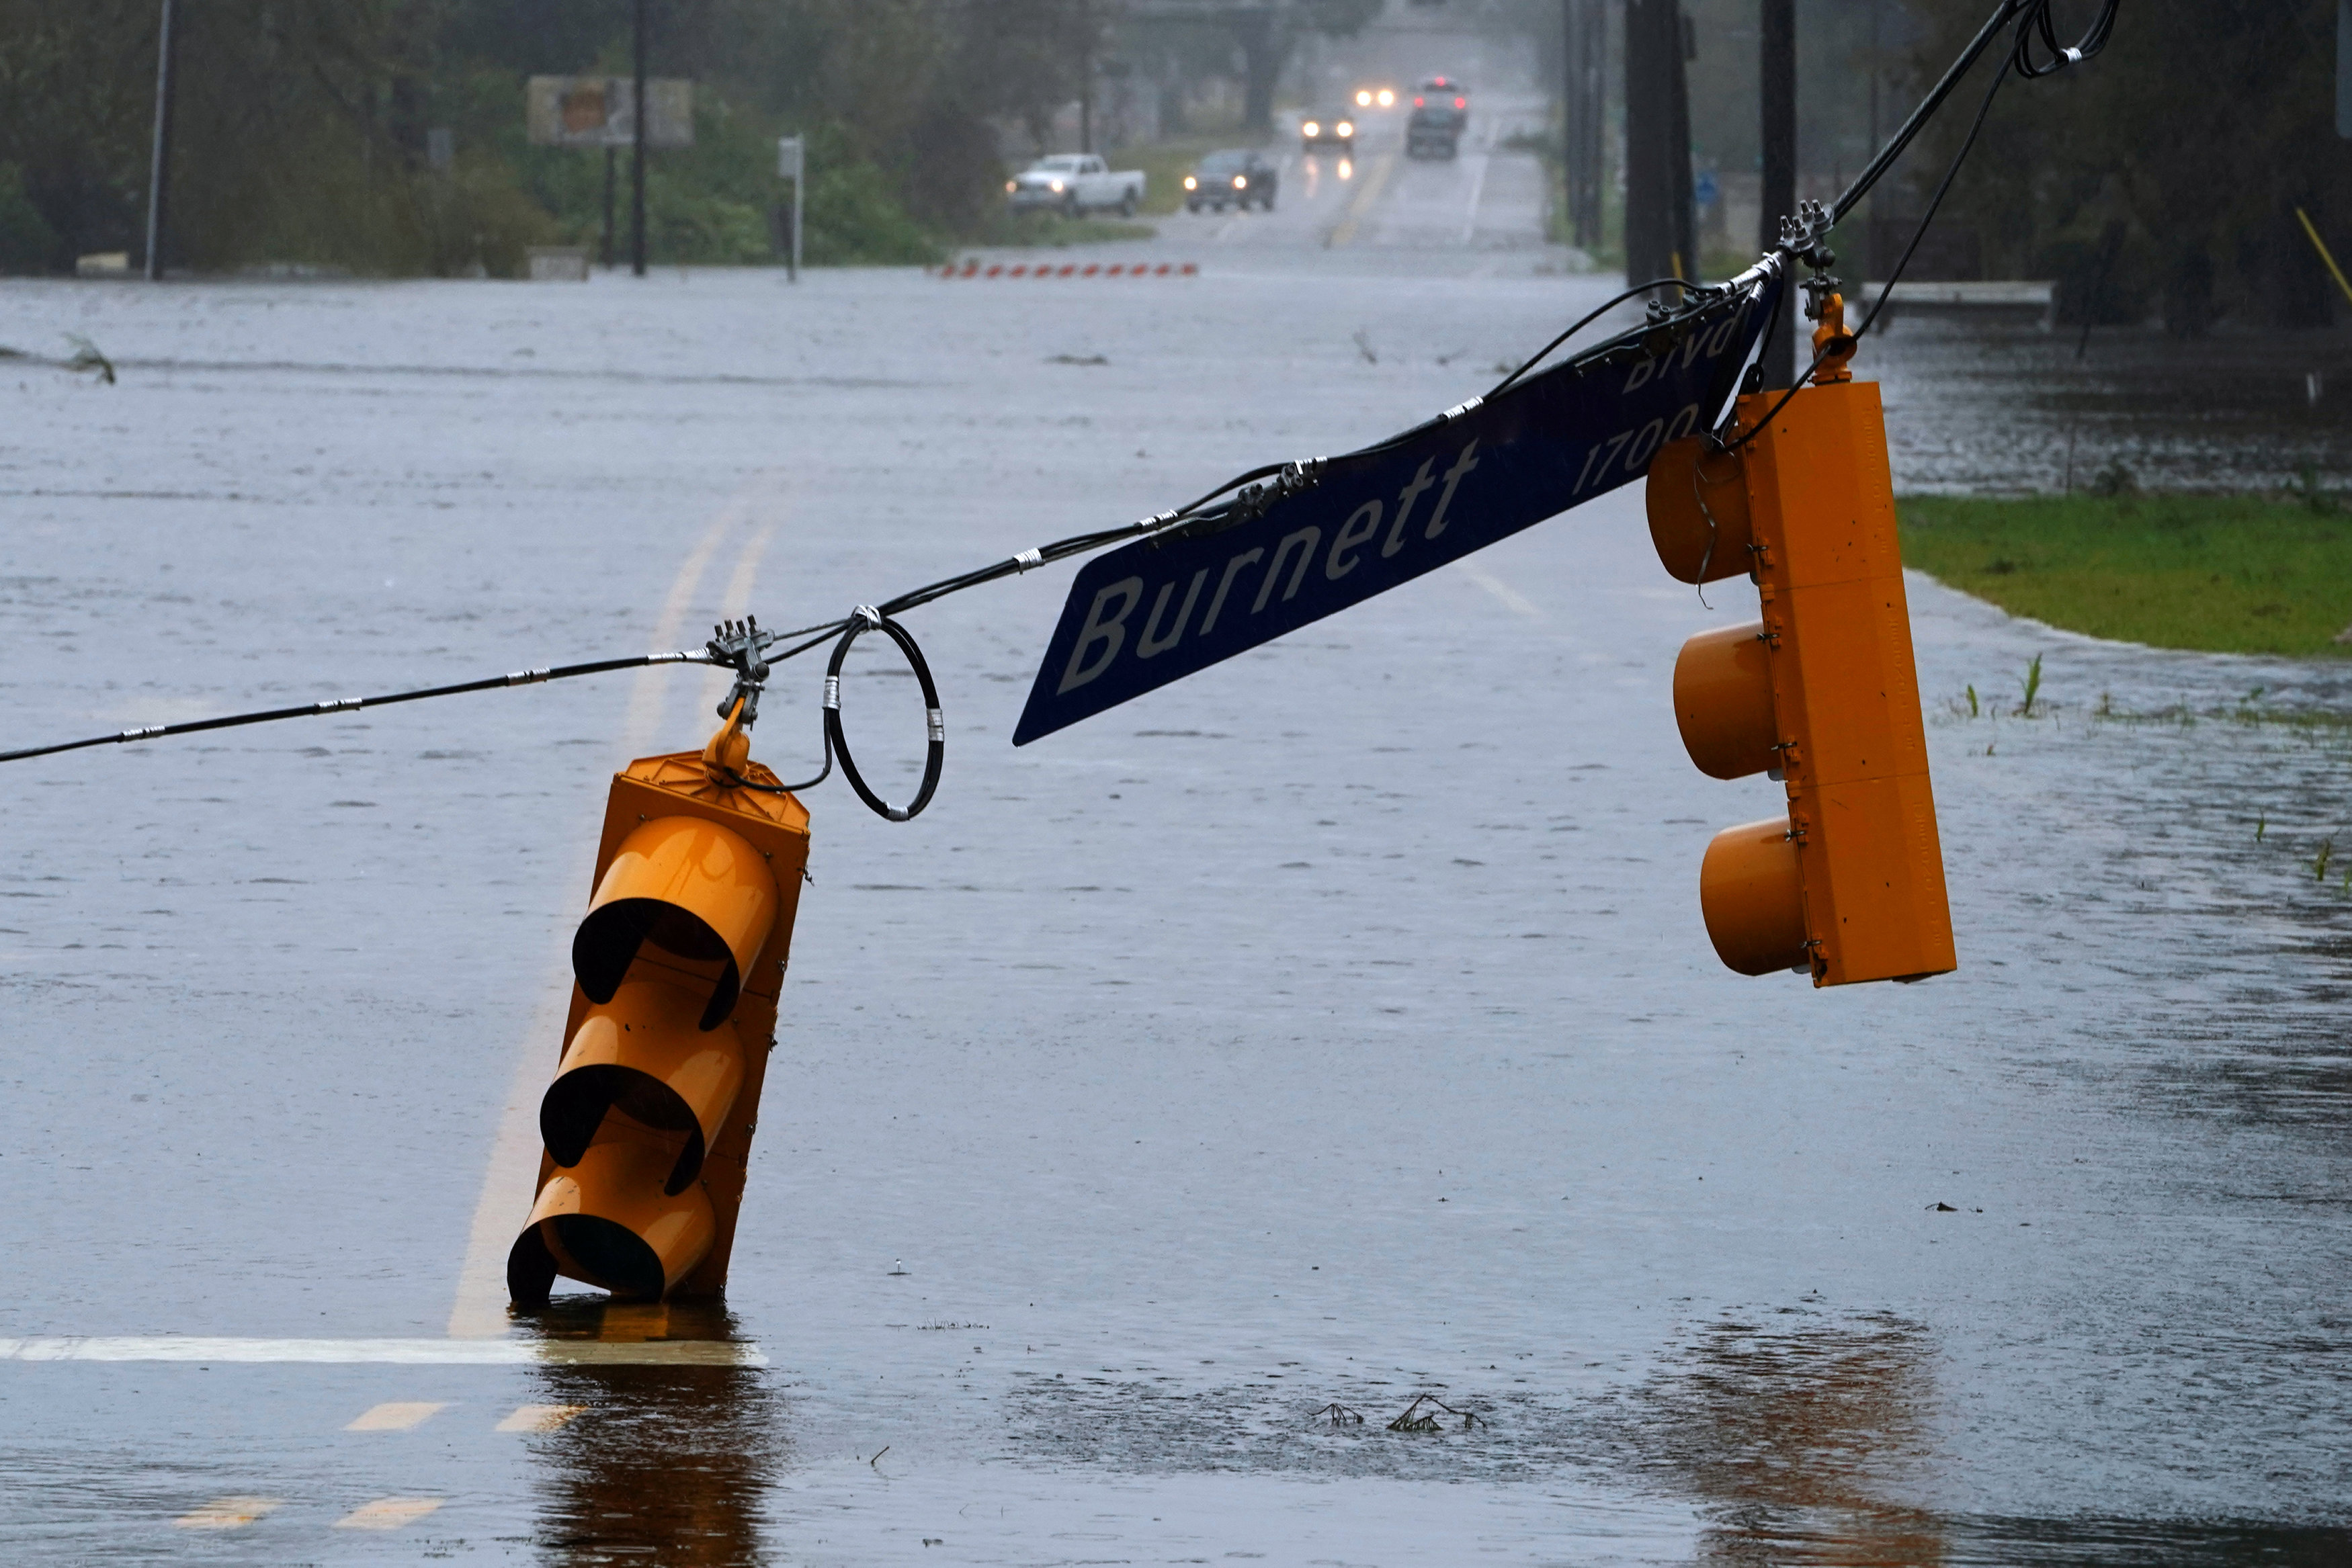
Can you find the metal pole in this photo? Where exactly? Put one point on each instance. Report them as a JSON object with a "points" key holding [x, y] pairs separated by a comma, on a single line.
{"points": [[799, 183], [1777, 55], [159, 165], [1086, 77], [1653, 35], [2344, 67], [637, 153], [1870, 231], [1594, 169], [612, 180]]}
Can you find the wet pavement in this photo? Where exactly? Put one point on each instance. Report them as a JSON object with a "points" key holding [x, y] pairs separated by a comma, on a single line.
{"points": [[1331, 1028]]}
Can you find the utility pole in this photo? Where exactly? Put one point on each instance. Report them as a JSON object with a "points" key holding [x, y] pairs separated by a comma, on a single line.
{"points": [[159, 168], [612, 179], [1086, 75], [1584, 30], [2344, 68], [1660, 227], [637, 153], [1777, 54]]}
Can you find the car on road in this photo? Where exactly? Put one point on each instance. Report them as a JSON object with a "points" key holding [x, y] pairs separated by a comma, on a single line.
{"points": [[1326, 131], [1235, 177], [1445, 96], [1441, 111], [1075, 182]]}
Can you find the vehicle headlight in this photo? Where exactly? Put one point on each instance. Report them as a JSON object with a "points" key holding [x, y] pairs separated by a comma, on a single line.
{"points": [[1346, 129], [1191, 183], [1388, 98], [1054, 184], [1363, 99], [1011, 184], [1312, 129], [1240, 181]]}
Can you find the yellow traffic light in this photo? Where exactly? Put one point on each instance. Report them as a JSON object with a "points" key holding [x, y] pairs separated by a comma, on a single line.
{"points": [[648, 1123], [1820, 692]]}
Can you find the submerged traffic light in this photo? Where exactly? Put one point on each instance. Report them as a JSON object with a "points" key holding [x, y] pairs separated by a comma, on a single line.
{"points": [[648, 1125], [1820, 692]]}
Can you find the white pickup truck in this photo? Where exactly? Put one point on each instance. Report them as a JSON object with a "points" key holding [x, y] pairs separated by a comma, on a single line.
{"points": [[1074, 182]]}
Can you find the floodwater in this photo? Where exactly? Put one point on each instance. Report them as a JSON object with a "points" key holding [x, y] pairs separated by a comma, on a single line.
{"points": [[1996, 401], [1328, 1031]]}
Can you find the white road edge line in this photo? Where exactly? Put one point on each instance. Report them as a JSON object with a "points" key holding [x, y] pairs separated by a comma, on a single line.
{"points": [[397, 1352]]}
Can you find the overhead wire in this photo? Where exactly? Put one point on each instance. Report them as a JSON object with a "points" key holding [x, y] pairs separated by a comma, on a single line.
{"points": [[2033, 21]]}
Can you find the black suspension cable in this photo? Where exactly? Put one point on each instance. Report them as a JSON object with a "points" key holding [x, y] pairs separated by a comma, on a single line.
{"points": [[352, 704]]}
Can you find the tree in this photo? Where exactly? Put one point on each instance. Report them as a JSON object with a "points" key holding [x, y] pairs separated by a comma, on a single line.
{"points": [[2200, 129]]}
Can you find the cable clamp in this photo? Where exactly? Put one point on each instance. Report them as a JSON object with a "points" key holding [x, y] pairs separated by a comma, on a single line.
{"points": [[339, 705], [1028, 558], [2073, 56], [939, 730], [1459, 409], [896, 813], [141, 732], [867, 613], [526, 677], [833, 692]]}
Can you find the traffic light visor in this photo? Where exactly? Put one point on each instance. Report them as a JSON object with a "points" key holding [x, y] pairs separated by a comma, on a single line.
{"points": [[629, 1237], [1752, 897], [1697, 502], [641, 1055], [689, 888], [1723, 701]]}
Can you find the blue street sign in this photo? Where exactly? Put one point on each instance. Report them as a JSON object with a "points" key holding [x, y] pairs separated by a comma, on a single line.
{"points": [[1342, 530], [1704, 190]]}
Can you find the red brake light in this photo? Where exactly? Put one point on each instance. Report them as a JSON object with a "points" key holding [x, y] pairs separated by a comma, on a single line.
{"points": [[1461, 103], [1417, 103]]}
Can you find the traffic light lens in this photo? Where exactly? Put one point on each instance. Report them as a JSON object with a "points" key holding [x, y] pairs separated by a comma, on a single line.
{"points": [[1752, 897], [641, 1056], [1697, 501], [688, 888], [1723, 701], [607, 1223], [606, 1254]]}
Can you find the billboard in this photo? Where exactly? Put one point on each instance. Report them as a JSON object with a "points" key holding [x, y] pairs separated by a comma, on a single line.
{"points": [[601, 111]]}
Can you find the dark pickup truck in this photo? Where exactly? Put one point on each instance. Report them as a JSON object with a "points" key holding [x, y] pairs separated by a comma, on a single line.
{"points": [[1441, 112]]}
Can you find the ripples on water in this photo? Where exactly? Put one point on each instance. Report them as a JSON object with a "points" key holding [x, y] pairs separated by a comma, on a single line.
{"points": [[1990, 402]]}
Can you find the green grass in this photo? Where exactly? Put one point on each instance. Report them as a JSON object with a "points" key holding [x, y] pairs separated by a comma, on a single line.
{"points": [[2232, 574]]}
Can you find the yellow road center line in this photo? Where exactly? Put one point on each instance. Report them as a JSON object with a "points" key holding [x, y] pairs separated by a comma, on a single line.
{"points": [[539, 1418], [1510, 598], [1366, 194], [396, 1416], [227, 1513], [388, 1513]]}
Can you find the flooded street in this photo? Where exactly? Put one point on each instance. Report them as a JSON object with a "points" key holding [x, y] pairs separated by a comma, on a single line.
{"points": [[1332, 1029]]}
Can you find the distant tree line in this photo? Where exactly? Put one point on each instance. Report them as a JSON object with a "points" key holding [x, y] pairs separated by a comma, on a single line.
{"points": [[2161, 180], [305, 127]]}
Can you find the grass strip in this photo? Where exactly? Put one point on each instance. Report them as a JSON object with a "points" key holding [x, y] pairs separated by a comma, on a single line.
{"points": [[2225, 574]]}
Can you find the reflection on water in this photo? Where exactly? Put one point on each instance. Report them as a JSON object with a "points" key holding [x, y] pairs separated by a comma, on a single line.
{"points": [[667, 1464], [1801, 1435]]}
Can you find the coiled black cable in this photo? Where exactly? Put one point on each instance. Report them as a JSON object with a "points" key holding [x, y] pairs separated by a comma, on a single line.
{"points": [[865, 619]]}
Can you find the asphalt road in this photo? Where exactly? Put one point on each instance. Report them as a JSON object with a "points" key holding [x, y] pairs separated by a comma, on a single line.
{"points": [[1334, 1026]]}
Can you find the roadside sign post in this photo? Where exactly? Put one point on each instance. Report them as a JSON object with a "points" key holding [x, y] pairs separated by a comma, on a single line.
{"points": [[159, 166], [792, 163], [602, 113]]}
